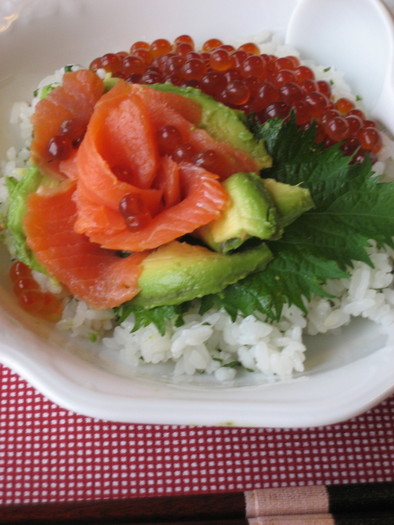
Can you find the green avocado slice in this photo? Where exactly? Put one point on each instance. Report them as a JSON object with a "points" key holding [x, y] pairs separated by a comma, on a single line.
{"points": [[180, 272], [251, 213], [291, 201], [258, 207], [18, 192]]}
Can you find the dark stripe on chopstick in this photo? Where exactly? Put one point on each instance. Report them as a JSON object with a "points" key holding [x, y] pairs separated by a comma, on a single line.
{"points": [[325, 519], [364, 497], [365, 518]]}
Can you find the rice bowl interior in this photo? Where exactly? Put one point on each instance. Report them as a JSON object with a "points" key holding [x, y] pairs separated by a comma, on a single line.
{"points": [[344, 372]]}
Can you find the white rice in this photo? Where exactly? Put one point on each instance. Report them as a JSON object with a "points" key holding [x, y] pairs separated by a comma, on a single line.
{"points": [[213, 343]]}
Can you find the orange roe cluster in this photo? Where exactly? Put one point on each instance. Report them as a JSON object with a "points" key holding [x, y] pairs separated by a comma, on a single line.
{"points": [[30, 296], [243, 78]]}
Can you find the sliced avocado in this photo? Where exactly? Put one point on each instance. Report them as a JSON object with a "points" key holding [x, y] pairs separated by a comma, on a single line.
{"points": [[291, 201], [223, 123], [179, 272], [110, 82], [44, 91], [18, 191], [251, 213]]}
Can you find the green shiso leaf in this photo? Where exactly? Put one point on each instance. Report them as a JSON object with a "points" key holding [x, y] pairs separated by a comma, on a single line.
{"points": [[160, 316], [352, 208]]}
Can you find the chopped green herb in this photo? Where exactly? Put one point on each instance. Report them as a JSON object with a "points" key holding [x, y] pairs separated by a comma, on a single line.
{"points": [[94, 337], [232, 364], [122, 254]]}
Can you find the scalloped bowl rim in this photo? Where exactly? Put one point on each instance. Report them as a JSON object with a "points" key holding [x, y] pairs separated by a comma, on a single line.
{"points": [[336, 387]]}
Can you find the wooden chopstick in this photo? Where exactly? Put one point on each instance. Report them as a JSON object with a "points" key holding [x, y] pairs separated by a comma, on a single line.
{"points": [[359, 504]]}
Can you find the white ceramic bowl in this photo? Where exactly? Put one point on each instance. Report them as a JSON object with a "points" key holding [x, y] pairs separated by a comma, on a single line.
{"points": [[345, 374]]}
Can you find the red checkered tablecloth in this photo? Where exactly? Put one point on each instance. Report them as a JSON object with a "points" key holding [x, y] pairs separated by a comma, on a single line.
{"points": [[48, 454]]}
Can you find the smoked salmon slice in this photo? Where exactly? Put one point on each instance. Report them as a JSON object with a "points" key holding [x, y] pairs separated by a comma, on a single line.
{"points": [[204, 198], [74, 99], [123, 135], [92, 274], [188, 108], [168, 179], [120, 133], [118, 145]]}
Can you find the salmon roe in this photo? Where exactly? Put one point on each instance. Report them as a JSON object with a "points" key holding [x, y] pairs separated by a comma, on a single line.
{"points": [[68, 138], [30, 296], [134, 212], [243, 78]]}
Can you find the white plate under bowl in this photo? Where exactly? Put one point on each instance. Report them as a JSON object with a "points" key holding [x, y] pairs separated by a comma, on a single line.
{"points": [[346, 373]]}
